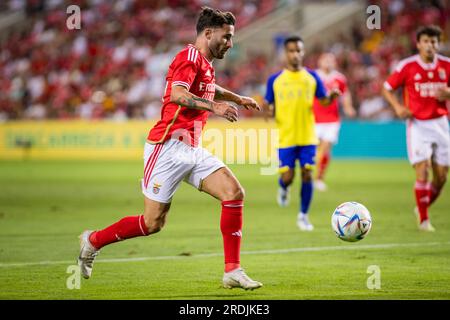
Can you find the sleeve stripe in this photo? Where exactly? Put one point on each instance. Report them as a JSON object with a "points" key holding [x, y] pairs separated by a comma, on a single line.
{"points": [[181, 83], [192, 54], [402, 63], [387, 86]]}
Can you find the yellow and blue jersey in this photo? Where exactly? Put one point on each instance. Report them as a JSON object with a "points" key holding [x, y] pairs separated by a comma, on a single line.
{"points": [[292, 94]]}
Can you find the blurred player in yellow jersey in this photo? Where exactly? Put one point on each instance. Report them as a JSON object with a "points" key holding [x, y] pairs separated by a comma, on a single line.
{"points": [[289, 97]]}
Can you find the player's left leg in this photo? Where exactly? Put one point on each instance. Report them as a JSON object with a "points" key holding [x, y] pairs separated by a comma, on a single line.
{"points": [[306, 156], [223, 185], [440, 161], [439, 179]]}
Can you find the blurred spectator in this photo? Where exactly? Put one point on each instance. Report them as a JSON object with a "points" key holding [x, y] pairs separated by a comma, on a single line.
{"points": [[373, 106], [115, 66]]}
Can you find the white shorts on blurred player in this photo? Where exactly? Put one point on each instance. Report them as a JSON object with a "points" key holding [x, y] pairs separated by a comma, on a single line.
{"points": [[167, 164], [428, 139], [328, 131]]}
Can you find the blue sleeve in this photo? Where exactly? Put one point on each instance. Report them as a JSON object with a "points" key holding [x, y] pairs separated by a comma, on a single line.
{"points": [[321, 92], [270, 95]]}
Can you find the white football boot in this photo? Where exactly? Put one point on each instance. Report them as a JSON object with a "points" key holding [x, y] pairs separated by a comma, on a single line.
{"points": [[426, 226], [87, 255], [319, 185], [238, 279], [303, 222], [283, 197]]}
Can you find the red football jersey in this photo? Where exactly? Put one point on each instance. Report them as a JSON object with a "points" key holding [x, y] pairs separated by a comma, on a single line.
{"points": [[193, 71], [421, 81], [330, 113]]}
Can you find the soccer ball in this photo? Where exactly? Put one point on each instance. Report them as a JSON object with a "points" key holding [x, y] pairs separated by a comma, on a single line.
{"points": [[351, 221]]}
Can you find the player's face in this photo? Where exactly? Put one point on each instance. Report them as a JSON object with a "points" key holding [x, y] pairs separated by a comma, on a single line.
{"points": [[220, 40], [294, 53], [427, 46], [327, 62]]}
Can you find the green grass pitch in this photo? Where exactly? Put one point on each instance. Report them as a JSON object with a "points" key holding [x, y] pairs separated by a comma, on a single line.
{"points": [[45, 205]]}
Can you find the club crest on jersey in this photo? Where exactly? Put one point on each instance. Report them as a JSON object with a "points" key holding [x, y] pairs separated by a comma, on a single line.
{"points": [[441, 73], [156, 188]]}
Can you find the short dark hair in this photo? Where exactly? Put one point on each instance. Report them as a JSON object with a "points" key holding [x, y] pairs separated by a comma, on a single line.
{"points": [[431, 31], [292, 39], [213, 18]]}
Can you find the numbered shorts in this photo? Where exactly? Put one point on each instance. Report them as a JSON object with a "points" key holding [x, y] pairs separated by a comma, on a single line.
{"points": [[167, 164], [328, 131], [289, 156], [428, 139]]}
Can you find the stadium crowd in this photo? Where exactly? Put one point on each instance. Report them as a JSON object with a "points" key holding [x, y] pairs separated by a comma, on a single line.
{"points": [[114, 67]]}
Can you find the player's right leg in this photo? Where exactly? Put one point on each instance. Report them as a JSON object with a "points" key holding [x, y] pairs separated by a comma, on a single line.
{"points": [[328, 134], [284, 185], [421, 191], [420, 152], [163, 172], [287, 158], [150, 222]]}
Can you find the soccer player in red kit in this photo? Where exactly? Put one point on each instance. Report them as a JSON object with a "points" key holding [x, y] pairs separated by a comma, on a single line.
{"points": [[327, 119], [425, 79], [172, 153]]}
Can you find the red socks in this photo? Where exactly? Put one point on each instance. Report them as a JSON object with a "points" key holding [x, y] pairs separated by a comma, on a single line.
{"points": [[422, 199], [231, 226], [323, 164], [134, 226], [128, 227]]}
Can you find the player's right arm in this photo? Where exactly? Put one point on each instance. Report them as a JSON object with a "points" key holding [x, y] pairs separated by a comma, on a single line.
{"points": [[268, 105], [181, 96], [268, 110], [401, 111], [394, 81]]}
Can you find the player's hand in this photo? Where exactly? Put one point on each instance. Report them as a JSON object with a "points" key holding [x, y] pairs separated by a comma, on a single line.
{"points": [[334, 93], [442, 94], [225, 110], [403, 112], [351, 113], [249, 103]]}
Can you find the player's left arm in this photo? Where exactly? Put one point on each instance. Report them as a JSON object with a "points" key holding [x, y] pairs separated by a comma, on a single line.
{"points": [[347, 105], [226, 95]]}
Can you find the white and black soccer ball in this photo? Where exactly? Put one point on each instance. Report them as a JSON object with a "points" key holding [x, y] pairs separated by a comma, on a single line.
{"points": [[351, 221]]}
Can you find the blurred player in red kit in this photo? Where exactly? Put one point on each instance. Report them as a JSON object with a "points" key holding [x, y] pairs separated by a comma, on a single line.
{"points": [[425, 80], [172, 153], [327, 119]]}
